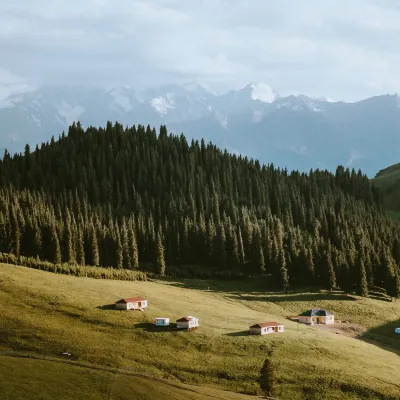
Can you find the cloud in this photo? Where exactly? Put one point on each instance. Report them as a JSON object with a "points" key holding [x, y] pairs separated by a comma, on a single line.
{"points": [[10, 84], [354, 156], [333, 48]]}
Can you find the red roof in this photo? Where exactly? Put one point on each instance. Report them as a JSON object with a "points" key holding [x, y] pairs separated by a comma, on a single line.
{"points": [[265, 325], [184, 319], [131, 300]]}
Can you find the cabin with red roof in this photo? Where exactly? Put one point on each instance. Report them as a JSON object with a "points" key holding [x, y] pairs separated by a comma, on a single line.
{"points": [[190, 323], [131, 303], [264, 328]]}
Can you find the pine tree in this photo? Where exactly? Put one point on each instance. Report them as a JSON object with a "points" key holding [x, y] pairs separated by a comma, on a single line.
{"points": [[393, 287], [80, 249], [127, 263], [267, 378], [160, 262], [362, 289], [345, 278], [69, 242], [283, 275], [330, 269], [134, 253], [257, 252], [16, 234], [56, 258], [220, 248], [94, 248], [240, 247], [119, 251]]}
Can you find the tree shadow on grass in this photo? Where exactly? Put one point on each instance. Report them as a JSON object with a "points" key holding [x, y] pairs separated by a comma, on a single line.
{"points": [[384, 336], [108, 307], [236, 334], [380, 297], [298, 297], [151, 327]]}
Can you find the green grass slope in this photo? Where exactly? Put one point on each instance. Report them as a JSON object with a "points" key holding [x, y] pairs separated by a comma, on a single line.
{"points": [[46, 314], [388, 180], [22, 378]]}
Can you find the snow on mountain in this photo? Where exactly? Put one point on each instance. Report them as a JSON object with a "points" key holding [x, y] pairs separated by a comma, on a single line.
{"points": [[263, 92], [69, 113], [195, 87], [222, 119], [301, 103], [292, 131], [163, 104], [11, 101], [121, 99]]}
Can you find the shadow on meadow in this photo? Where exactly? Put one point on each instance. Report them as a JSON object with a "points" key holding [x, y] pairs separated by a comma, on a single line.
{"points": [[260, 289], [239, 333], [108, 307], [151, 327], [280, 297], [384, 336]]}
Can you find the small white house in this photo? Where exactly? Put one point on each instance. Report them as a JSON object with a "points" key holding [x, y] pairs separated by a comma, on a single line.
{"points": [[265, 328], [131, 303], [190, 323], [397, 330], [162, 321], [317, 316]]}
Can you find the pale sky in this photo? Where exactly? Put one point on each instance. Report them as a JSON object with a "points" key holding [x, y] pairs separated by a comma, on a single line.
{"points": [[342, 49]]}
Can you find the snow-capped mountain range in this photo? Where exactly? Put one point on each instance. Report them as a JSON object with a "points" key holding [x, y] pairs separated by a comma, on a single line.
{"points": [[297, 131]]}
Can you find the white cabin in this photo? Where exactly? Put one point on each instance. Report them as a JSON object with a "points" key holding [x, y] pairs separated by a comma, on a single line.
{"points": [[317, 316], [131, 303], [265, 328], [162, 321], [190, 323], [397, 330]]}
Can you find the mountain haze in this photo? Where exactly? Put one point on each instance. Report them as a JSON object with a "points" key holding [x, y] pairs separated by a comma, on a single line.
{"points": [[297, 132]]}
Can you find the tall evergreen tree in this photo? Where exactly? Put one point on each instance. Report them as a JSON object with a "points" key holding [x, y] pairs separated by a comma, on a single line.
{"points": [[362, 289], [160, 261], [80, 256], [94, 248], [133, 248]]}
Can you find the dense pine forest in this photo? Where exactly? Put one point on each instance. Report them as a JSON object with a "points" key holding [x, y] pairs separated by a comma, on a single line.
{"points": [[130, 198]]}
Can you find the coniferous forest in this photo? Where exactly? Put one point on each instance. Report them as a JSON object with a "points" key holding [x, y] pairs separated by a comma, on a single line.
{"points": [[132, 198]]}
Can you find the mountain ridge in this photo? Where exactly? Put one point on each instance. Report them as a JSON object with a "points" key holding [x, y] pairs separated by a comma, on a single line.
{"points": [[296, 131]]}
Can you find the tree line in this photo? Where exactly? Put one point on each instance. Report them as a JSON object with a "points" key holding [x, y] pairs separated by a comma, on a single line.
{"points": [[136, 199]]}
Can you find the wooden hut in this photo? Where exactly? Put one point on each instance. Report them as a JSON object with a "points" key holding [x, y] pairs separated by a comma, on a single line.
{"points": [[265, 328], [190, 323], [131, 303]]}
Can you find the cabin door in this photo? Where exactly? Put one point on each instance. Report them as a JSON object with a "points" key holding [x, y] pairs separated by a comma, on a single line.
{"points": [[140, 304]]}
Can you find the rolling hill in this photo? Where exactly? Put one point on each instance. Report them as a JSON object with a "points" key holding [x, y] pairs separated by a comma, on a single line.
{"points": [[388, 179], [48, 314]]}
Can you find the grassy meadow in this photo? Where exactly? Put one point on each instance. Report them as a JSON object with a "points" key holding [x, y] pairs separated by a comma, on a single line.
{"points": [[46, 314]]}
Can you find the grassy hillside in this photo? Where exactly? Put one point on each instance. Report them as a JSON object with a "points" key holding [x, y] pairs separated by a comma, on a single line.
{"points": [[25, 381], [388, 179], [47, 314]]}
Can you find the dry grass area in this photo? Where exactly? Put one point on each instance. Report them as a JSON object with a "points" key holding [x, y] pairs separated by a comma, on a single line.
{"points": [[48, 314]]}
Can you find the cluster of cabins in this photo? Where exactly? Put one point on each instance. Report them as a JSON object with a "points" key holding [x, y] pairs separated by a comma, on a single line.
{"points": [[139, 303], [315, 316]]}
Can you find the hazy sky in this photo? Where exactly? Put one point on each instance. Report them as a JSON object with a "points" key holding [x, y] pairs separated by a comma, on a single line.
{"points": [[343, 49]]}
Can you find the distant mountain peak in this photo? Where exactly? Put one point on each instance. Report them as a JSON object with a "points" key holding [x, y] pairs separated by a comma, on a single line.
{"points": [[194, 86]]}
